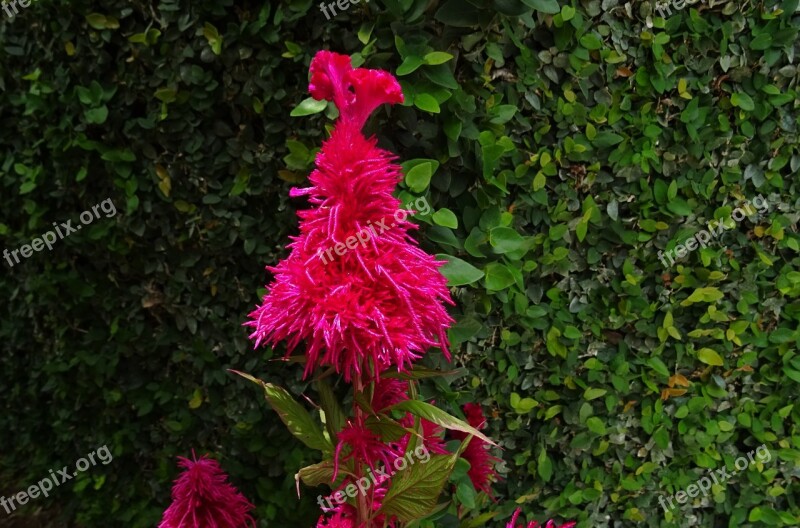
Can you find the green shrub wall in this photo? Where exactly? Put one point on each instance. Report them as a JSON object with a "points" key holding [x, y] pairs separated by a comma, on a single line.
{"points": [[562, 147]]}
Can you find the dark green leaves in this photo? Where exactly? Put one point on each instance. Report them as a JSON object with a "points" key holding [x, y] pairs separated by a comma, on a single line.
{"points": [[545, 6], [460, 13]]}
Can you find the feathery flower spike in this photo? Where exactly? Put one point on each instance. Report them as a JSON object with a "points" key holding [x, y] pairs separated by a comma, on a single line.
{"points": [[203, 498], [381, 303]]}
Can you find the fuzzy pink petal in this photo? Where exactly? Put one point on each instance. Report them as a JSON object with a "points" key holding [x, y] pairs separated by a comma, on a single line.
{"points": [[330, 78], [372, 88]]}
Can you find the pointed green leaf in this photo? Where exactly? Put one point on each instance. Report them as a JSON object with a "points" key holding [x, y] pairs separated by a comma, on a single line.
{"points": [[297, 419], [459, 272], [709, 357], [309, 106], [334, 416], [414, 491], [439, 417]]}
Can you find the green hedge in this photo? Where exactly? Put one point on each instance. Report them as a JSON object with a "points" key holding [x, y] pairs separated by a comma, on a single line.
{"points": [[570, 149]]}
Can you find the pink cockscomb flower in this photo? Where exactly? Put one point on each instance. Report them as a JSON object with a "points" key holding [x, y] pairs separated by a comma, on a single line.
{"points": [[388, 392], [355, 289], [533, 524], [357, 442], [203, 498], [344, 515], [482, 462], [339, 519]]}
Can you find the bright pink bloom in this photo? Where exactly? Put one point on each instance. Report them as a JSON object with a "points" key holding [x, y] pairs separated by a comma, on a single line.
{"points": [[475, 415], [379, 301], [339, 519], [203, 498], [533, 524], [355, 92], [388, 391], [481, 471], [344, 515], [363, 446]]}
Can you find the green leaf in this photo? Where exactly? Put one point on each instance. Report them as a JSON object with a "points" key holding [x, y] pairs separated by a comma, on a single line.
{"points": [[466, 494], [309, 106], [414, 491], [743, 101], [427, 103], [166, 95], [213, 37], [96, 20], [479, 521], [439, 417], [437, 57], [505, 239], [596, 425], [460, 13], [544, 466], [593, 393], [545, 6], [318, 474], [459, 272], [606, 139], [498, 277], [708, 294], [334, 415], [97, 116], [709, 357], [591, 41], [418, 177], [297, 419], [446, 218], [409, 65]]}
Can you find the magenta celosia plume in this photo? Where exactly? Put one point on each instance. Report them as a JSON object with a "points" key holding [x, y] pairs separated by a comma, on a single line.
{"points": [[482, 463], [533, 524], [381, 304], [203, 498], [357, 442]]}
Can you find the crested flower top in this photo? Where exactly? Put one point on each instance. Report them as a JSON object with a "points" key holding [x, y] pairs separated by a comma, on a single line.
{"points": [[379, 300], [355, 92]]}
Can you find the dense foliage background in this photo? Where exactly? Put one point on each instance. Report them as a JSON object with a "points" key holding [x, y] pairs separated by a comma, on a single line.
{"points": [[561, 146]]}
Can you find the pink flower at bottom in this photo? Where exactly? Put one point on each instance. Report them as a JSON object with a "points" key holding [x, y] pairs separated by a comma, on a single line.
{"points": [[202, 497], [533, 524], [338, 520]]}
